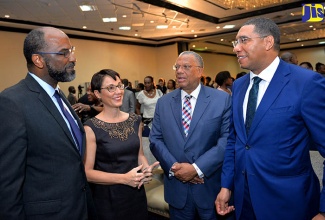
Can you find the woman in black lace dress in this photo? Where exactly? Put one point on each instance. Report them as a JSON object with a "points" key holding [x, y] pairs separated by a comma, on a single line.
{"points": [[115, 164]]}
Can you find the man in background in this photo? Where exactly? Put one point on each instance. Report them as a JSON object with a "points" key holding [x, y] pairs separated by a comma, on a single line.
{"points": [[72, 97], [128, 104], [289, 57], [42, 140]]}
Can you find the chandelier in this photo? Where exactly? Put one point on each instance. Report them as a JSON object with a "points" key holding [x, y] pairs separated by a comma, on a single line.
{"points": [[247, 4]]}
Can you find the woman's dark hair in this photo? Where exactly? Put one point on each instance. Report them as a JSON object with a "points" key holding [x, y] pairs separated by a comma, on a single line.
{"points": [[221, 77], [141, 86], [173, 82], [98, 78], [307, 64]]}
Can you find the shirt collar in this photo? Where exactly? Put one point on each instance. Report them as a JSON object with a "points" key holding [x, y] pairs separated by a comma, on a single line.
{"points": [[48, 89], [194, 94], [268, 73]]}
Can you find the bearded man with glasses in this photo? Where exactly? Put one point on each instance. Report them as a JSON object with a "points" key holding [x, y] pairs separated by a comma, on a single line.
{"points": [[42, 139]]}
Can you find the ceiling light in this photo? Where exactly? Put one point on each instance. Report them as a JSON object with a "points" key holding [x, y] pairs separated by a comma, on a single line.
{"points": [[314, 29], [88, 7], [162, 26], [152, 22], [174, 26], [7, 16], [228, 26], [311, 26], [84, 27], [221, 39], [195, 35], [125, 28], [247, 4], [138, 25], [193, 46], [110, 19], [302, 45], [218, 27], [322, 42], [192, 30], [124, 16], [206, 47], [136, 35]]}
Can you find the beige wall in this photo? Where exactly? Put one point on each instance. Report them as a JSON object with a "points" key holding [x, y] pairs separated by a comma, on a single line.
{"points": [[132, 62]]}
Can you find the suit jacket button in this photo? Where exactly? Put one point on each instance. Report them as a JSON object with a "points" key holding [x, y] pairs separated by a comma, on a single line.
{"points": [[83, 188], [247, 147]]}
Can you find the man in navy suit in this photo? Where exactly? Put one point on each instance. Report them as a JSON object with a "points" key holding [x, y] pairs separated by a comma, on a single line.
{"points": [[41, 167], [267, 164], [191, 159]]}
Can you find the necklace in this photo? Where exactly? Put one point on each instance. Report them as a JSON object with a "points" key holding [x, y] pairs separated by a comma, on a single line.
{"points": [[149, 94]]}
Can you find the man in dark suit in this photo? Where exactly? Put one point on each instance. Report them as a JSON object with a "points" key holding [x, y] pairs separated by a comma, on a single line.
{"points": [[191, 158], [267, 163], [128, 104], [41, 169]]}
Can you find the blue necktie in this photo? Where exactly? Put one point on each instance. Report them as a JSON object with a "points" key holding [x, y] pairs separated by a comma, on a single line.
{"points": [[186, 114], [252, 102], [75, 130]]}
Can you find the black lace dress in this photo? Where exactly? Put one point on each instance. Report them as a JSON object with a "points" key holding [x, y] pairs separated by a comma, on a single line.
{"points": [[117, 152]]}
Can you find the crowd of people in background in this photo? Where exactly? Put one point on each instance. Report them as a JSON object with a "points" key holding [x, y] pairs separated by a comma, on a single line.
{"points": [[233, 147]]}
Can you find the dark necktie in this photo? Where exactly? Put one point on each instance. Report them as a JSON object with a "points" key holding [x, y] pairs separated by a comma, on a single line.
{"points": [[75, 130], [251, 104], [186, 114]]}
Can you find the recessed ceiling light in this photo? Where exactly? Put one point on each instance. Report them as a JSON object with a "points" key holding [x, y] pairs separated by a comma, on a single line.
{"points": [[136, 35], [311, 26], [228, 26], [7, 16], [218, 27], [302, 45], [321, 42], [138, 25], [206, 47], [152, 22], [195, 35], [192, 30], [174, 26], [125, 28], [292, 14], [298, 39], [88, 7], [193, 46], [84, 27], [221, 39], [314, 29], [162, 26], [110, 19], [124, 16]]}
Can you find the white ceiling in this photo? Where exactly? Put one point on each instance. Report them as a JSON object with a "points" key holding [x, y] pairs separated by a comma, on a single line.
{"points": [[197, 22]]}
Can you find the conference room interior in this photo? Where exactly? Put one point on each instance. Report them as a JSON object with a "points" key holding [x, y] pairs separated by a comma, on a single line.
{"points": [[145, 50]]}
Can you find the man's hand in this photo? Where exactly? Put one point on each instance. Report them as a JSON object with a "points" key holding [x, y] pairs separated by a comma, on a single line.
{"points": [[222, 202], [184, 171]]}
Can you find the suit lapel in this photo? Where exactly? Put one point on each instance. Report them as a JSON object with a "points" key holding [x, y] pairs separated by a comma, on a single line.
{"points": [[50, 106], [176, 106], [201, 104], [238, 105], [277, 83]]}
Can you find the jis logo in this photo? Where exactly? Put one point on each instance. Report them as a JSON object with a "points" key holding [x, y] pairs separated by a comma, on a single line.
{"points": [[312, 13]]}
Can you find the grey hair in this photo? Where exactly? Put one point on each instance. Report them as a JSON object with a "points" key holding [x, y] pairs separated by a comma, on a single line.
{"points": [[198, 58]]}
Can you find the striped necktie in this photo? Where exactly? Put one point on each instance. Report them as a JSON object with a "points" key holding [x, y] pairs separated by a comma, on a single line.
{"points": [[186, 114]]}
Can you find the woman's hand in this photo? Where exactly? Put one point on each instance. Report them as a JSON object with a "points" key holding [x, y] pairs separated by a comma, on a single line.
{"points": [[147, 171], [134, 177]]}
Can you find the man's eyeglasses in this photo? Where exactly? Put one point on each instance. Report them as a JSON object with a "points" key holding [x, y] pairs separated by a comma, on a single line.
{"points": [[65, 52], [112, 88], [244, 40], [185, 67]]}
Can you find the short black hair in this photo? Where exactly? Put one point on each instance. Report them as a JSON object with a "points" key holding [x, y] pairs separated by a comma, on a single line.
{"points": [[318, 66], [221, 77], [98, 78], [34, 42]]}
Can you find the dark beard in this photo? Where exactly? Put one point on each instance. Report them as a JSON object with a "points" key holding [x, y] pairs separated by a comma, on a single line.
{"points": [[61, 75]]}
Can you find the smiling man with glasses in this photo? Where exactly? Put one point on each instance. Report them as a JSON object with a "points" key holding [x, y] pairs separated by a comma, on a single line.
{"points": [[276, 119]]}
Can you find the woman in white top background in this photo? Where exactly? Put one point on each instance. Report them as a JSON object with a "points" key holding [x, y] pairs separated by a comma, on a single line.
{"points": [[148, 99]]}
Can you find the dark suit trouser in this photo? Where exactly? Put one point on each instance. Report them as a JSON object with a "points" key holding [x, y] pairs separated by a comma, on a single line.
{"points": [[191, 211], [247, 212]]}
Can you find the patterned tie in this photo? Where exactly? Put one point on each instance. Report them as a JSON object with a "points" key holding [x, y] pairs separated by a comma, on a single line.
{"points": [[186, 114], [74, 128], [251, 104]]}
